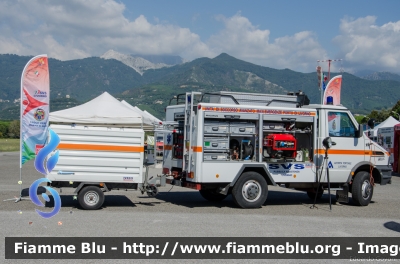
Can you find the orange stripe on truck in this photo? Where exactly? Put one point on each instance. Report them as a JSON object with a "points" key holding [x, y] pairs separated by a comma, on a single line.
{"points": [[71, 146], [197, 149], [351, 152]]}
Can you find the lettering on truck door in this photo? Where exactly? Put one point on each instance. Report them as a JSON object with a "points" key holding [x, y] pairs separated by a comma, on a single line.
{"points": [[349, 149]]}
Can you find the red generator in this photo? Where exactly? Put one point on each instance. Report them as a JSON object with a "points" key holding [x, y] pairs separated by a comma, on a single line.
{"points": [[280, 146]]}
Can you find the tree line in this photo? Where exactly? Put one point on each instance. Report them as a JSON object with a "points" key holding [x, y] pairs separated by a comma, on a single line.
{"points": [[382, 115], [9, 129]]}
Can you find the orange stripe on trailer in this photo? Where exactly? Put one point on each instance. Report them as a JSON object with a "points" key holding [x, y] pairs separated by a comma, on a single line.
{"points": [[197, 149], [72, 146], [167, 147]]}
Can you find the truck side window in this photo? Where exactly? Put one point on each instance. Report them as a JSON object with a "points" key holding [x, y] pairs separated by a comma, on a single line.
{"points": [[340, 125]]}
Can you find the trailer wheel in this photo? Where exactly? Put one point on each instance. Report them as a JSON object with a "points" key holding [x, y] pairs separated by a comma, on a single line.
{"points": [[152, 191], [212, 195], [91, 197], [362, 189], [250, 191]]}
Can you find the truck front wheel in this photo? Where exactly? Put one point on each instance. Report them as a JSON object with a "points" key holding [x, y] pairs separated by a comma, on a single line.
{"points": [[250, 191], [362, 189], [91, 197]]}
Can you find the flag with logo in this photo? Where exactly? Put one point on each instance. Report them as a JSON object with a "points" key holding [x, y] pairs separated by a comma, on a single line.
{"points": [[35, 94], [333, 89]]}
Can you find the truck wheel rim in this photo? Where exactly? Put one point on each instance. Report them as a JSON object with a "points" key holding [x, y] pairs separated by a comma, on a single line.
{"points": [[251, 191], [366, 189], [91, 198]]}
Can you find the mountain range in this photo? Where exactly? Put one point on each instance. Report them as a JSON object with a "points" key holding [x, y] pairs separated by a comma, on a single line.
{"points": [[150, 82], [139, 63]]}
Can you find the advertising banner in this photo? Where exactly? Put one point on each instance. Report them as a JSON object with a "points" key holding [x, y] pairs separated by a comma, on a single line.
{"points": [[35, 96], [333, 89]]}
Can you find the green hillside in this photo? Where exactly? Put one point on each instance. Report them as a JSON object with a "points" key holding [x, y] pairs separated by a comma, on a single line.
{"points": [[85, 79]]}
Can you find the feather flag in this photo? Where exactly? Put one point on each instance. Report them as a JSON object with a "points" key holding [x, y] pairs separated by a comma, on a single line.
{"points": [[333, 89], [35, 94]]}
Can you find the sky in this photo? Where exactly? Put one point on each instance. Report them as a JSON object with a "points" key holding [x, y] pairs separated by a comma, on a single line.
{"points": [[280, 34]]}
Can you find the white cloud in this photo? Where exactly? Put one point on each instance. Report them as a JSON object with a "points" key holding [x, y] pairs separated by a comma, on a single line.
{"points": [[78, 28], [365, 45], [240, 38]]}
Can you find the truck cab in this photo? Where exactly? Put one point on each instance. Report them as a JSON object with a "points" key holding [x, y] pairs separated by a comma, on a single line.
{"points": [[353, 149]]}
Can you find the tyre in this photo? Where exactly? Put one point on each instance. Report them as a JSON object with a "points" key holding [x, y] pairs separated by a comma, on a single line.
{"points": [[91, 197], [362, 190], [250, 191], [152, 191], [212, 195]]}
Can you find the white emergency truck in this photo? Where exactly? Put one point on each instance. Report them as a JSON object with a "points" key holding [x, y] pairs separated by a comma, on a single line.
{"points": [[239, 143]]}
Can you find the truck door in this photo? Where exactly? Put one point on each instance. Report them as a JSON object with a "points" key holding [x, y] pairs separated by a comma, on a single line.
{"points": [[349, 149]]}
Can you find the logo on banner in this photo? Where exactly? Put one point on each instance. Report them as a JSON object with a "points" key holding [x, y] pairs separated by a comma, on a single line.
{"points": [[39, 93], [45, 169], [39, 114]]}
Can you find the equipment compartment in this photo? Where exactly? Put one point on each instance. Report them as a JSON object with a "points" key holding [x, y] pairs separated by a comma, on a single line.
{"points": [[216, 127], [217, 156], [242, 128], [211, 143], [273, 126]]}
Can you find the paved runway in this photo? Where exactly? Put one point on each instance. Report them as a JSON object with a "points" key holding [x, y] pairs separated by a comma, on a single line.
{"points": [[181, 212]]}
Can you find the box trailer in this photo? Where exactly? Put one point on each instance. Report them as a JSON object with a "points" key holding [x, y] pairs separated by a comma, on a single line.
{"points": [[97, 159]]}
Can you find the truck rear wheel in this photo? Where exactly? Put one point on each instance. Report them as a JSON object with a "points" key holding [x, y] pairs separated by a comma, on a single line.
{"points": [[91, 197], [212, 195], [250, 191], [362, 189]]}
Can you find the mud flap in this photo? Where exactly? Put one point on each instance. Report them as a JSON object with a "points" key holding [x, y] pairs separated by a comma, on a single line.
{"points": [[342, 196]]}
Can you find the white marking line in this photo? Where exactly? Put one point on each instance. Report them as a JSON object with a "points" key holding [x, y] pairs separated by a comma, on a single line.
{"points": [[165, 248], [114, 248], [173, 251], [349, 248]]}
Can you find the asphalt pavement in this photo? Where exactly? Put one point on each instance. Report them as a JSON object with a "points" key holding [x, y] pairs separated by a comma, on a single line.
{"points": [[181, 212]]}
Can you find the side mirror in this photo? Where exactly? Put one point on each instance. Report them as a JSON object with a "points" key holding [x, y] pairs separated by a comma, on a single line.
{"points": [[359, 132], [371, 123]]}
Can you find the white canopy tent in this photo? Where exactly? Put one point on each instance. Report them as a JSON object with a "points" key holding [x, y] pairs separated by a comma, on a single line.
{"points": [[151, 116], [102, 110], [389, 122], [147, 117]]}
